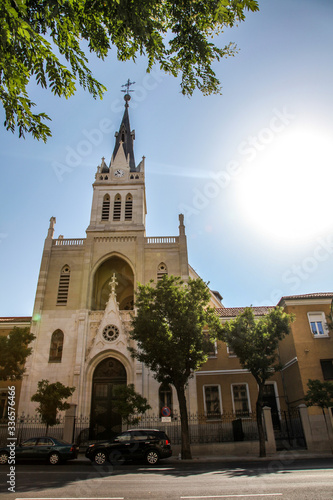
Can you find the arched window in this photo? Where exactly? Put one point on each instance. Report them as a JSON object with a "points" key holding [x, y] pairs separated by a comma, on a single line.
{"points": [[106, 207], [128, 207], [57, 342], [161, 271], [117, 207], [165, 398], [63, 286]]}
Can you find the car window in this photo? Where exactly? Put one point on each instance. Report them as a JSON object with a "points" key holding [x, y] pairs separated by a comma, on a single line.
{"points": [[139, 436], [29, 442], [44, 442], [123, 437]]}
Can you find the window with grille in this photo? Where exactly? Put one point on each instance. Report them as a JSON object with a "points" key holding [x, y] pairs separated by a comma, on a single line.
{"points": [[210, 346], [63, 286], [117, 207], [165, 397], [57, 342], [161, 271], [128, 207], [3, 404], [318, 324], [240, 398], [106, 207], [212, 401], [327, 368]]}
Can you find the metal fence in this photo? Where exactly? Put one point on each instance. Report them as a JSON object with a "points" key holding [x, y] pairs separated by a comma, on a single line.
{"points": [[27, 427], [227, 427], [288, 429]]}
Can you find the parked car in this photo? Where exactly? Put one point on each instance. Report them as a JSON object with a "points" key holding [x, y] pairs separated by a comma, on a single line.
{"points": [[46, 448], [150, 445]]}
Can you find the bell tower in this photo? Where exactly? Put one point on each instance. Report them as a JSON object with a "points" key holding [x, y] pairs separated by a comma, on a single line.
{"points": [[119, 199]]}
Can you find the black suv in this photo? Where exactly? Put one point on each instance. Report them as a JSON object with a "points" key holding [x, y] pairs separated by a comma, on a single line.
{"points": [[138, 444]]}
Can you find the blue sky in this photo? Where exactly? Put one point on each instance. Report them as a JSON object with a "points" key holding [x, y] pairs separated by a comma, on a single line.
{"points": [[251, 169]]}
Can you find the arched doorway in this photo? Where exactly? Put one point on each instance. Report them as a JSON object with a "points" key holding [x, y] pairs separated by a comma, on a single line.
{"points": [[104, 420]]}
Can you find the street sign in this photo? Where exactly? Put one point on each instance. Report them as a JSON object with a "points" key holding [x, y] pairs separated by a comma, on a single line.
{"points": [[166, 412]]}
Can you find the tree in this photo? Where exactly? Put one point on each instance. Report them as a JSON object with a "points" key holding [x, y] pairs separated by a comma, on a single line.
{"points": [[50, 398], [130, 404], [320, 394], [255, 342], [169, 332], [14, 351], [47, 41]]}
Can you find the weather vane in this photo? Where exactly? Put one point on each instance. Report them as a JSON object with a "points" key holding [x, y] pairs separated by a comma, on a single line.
{"points": [[127, 85]]}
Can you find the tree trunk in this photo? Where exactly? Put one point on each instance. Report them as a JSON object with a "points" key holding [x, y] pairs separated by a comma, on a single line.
{"points": [[185, 439], [261, 432]]}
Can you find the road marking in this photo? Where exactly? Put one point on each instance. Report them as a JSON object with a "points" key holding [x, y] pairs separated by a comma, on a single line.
{"points": [[238, 496], [150, 469], [74, 498]]}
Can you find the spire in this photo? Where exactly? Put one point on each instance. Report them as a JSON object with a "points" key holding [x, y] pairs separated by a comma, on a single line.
{"points": [[125, 136]]}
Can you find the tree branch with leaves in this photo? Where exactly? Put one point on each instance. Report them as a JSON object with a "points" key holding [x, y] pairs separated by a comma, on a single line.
{"points": [[47, 42], [51, 400], [14, 350]]}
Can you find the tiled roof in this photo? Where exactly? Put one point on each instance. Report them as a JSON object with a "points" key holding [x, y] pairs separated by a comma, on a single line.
{"points": [[226, 312], [324, 295], [17, 319]]}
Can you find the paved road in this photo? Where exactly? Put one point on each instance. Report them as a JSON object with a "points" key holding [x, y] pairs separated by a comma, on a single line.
{"points": [[300, 480]]}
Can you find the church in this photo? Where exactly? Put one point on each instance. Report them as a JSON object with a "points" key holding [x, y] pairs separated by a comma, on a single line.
{"points": [[85, 294], [82, 319]]}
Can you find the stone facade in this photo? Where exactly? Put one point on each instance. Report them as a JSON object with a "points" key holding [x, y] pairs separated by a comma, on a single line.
{"points": [[86, 287]]}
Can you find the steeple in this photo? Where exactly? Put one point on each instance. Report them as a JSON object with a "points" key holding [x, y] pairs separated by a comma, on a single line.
{"points": [[125, 137], [119, 199]]}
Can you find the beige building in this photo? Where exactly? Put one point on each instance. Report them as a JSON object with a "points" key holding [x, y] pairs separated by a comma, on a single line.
{"points": [[224, 387], [307, 353], [6, 326], [85, 293]]}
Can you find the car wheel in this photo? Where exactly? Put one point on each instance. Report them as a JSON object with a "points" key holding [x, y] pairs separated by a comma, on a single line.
{"points": [[4, 458], [100, 458], [152, 457], [54, 458]]}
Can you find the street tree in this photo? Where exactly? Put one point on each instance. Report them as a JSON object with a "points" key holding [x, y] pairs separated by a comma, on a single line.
{"points": [[14, 350], [129, 404], [172, 330], [51, 400], [47, 42], [255, 342], [320, 394]]}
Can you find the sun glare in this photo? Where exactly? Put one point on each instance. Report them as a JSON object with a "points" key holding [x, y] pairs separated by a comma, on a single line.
{"points": [[285, 193]]}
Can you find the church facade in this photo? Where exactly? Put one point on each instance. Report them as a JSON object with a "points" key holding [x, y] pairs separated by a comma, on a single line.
{"points": [[85, 294]]}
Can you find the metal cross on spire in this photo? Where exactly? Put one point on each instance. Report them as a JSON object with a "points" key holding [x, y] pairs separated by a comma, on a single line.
{"points": [[127, 85]]}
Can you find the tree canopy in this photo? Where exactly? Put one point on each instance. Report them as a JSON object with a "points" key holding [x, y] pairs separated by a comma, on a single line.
{"points": [[255, 342], [319, 394], [50, 398], [129, 404], [14, 351], [172, 331], [47, 41]]}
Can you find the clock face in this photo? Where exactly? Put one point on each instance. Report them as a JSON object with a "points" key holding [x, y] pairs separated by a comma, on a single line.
{"points": [[119, 173]]}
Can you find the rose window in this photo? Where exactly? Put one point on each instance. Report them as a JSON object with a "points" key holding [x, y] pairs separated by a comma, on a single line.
{"points": [[110, 333]]}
